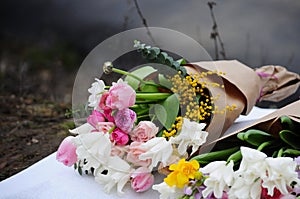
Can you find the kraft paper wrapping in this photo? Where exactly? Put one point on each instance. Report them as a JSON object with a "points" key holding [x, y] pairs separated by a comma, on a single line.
{"points": [[270, 123], [243, 87]]}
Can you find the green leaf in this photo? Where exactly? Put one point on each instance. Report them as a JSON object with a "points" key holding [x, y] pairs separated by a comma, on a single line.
{"points": [[149, 88], [235, 157], [290, 138], [256, 137], [171, 105], [141, 73], [181, 61], [292, 152], [216, 155], [287, 123], [164, 81], [167, 112], [160, 113]]}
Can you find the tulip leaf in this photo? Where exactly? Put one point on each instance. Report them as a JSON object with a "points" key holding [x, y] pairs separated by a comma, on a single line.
{"points": [[216, 155], [141, 73], [290, 138], [287, 122], [256, 137]]}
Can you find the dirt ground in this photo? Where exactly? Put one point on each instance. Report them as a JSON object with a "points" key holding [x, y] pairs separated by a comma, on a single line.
{"points": [[31, 128]]}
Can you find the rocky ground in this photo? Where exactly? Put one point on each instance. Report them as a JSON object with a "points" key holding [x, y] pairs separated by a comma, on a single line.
{"points": [[31, 128]]}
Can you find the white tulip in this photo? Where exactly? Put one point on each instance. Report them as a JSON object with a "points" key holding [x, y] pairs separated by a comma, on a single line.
{"points": [[96, 91]]}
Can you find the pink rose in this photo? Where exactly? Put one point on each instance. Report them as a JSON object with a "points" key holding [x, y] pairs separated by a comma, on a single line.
{"points": [[141, 179], [133, 155], [119, 137], [66, 152], [144, 131], [95, 117], [120, 96], [104, 126], [125, 119]]}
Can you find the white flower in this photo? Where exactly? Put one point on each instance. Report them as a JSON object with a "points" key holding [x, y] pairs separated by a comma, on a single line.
{"points": [[158, 150], [220, 178], [281, 173], [245, 189], [118, 174], [253, 161], [94, 148], [96, 92], [82, 129], [167, 192], [191, 134], [247, 179]]}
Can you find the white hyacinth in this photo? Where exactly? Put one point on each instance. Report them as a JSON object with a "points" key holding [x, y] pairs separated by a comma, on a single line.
{"points": [[191, 134], [167, 192], [220, 178], [281, 173], [158, 150]]}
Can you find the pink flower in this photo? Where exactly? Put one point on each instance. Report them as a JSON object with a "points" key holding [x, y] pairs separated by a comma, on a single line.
{"points": [[120, 96], [119, 137], [141, 179], [125, 119], [102, 103], [95, 117], [117, 150], [104, 126], [108, 115], [66, 152], [144, 131], [133, 155]]}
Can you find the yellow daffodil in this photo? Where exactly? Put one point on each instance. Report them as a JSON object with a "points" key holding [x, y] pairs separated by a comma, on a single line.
{"points": [[182, 173]]}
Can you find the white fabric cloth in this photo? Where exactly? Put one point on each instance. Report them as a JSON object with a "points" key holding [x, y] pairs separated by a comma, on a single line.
{"points": [[49, 179]]}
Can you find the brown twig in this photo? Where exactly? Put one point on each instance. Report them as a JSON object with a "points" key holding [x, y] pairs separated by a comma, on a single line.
{"points": [[215, 34], [144, 21]]}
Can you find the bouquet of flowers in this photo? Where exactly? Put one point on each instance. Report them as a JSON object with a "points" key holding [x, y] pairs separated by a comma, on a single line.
{"points": [[153, 120]]}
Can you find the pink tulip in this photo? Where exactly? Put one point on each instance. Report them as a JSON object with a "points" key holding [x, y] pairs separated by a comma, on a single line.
{"points": [[119, 137], [125, 119], [66, 152], [141, 179], [102, 103], [120, 96], [95, 117], [108, 115]]}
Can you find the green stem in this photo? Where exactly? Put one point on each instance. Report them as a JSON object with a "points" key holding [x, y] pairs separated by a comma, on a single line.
{"points": [[263, 145], [280, 152], [122, 72], [112, 129], [152, 96]]}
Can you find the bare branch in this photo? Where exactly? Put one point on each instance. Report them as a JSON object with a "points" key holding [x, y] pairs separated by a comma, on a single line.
{"points": [[144, 21], [215, 35]]}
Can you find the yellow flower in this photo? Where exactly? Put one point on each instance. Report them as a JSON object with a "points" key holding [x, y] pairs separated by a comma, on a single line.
{"points": [[182, 173]]}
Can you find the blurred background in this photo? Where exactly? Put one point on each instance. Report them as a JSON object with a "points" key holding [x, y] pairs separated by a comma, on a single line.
{"points": [[42, 44]]}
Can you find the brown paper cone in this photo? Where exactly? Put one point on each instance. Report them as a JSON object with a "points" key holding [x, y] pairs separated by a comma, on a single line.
{"points": [[242, 87]]}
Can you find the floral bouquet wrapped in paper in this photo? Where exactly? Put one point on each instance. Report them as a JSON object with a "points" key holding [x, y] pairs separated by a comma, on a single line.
{"points": [[258, 161], [156, 118]]}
